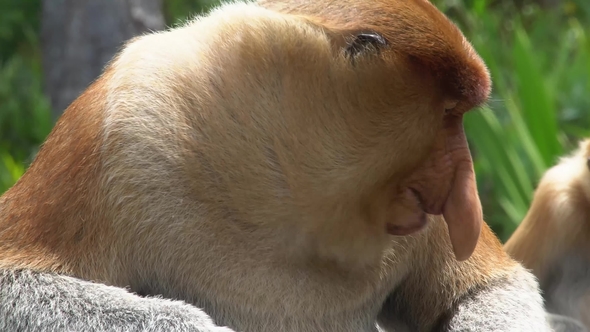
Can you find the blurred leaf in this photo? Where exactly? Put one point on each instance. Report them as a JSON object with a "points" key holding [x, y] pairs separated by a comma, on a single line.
{"points": [[178, 11], [538, 105], [19, 24], [511, 179], [10, 171]]}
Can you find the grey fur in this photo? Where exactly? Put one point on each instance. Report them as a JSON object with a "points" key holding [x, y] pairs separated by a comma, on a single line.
{"points": [[508, 304], [565, 324], [567, 284], [36, 302], [43, 302]]}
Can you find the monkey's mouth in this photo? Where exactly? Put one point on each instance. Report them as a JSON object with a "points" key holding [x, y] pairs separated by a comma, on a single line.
{"points": [[397, 230], [412, 214]]}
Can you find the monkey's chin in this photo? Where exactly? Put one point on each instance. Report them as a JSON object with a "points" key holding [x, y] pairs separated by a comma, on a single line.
{"points": [[409, 228]]}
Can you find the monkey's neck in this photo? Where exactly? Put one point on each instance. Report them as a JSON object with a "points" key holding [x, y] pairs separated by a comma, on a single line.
{"points": [[546, 219], [529, 251]]}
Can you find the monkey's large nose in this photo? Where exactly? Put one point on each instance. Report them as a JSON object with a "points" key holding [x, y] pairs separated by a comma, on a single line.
{"points": [[445, 184]]}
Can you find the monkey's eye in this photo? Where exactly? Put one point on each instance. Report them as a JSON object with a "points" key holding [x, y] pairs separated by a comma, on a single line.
{"points": [[364, 42]]}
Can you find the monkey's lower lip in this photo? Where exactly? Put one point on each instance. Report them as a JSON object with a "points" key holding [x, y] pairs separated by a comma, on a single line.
{"points": [[402, 231], [418, 219], [422, 210]]}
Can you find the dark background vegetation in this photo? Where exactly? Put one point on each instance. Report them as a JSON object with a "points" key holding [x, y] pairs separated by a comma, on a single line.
{"points": [[537, 51]]}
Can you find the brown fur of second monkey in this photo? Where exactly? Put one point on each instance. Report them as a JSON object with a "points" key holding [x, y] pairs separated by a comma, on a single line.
{"points": [[553, 240], [268, 165]]}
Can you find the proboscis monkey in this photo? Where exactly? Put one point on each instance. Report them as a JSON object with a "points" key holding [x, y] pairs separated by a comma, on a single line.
{"points": [[289, 166], [554, 238]]}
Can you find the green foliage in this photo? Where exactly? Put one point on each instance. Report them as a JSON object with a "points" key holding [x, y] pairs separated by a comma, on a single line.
{"points": [[25, 118], [178, 11], [19, 26], [539, 59]]}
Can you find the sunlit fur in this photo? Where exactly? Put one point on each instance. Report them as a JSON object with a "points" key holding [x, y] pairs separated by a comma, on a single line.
{"points": [[554, 238], [244, 163]]}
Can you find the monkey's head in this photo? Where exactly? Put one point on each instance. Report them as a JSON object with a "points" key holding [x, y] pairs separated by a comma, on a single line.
{"points": [[339, 119], [394, 87], [556, 228], [569, 180], [563, 197]]}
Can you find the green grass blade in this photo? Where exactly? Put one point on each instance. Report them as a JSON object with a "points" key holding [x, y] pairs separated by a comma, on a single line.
{"points": [[538, 104]]}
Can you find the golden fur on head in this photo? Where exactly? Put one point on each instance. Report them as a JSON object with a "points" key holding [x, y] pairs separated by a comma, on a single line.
{"points": [[414, 29]]}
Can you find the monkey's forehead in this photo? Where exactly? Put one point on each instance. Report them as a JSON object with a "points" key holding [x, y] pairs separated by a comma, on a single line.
{"points": [[413, 27], [281, 35]]}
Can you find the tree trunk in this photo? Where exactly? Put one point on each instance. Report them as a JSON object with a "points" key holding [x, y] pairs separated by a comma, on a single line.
{"points": [[78, 37]]}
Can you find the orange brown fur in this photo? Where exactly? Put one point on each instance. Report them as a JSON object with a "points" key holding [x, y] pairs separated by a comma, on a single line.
{"points": [[255, 177], [51, 216]]}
